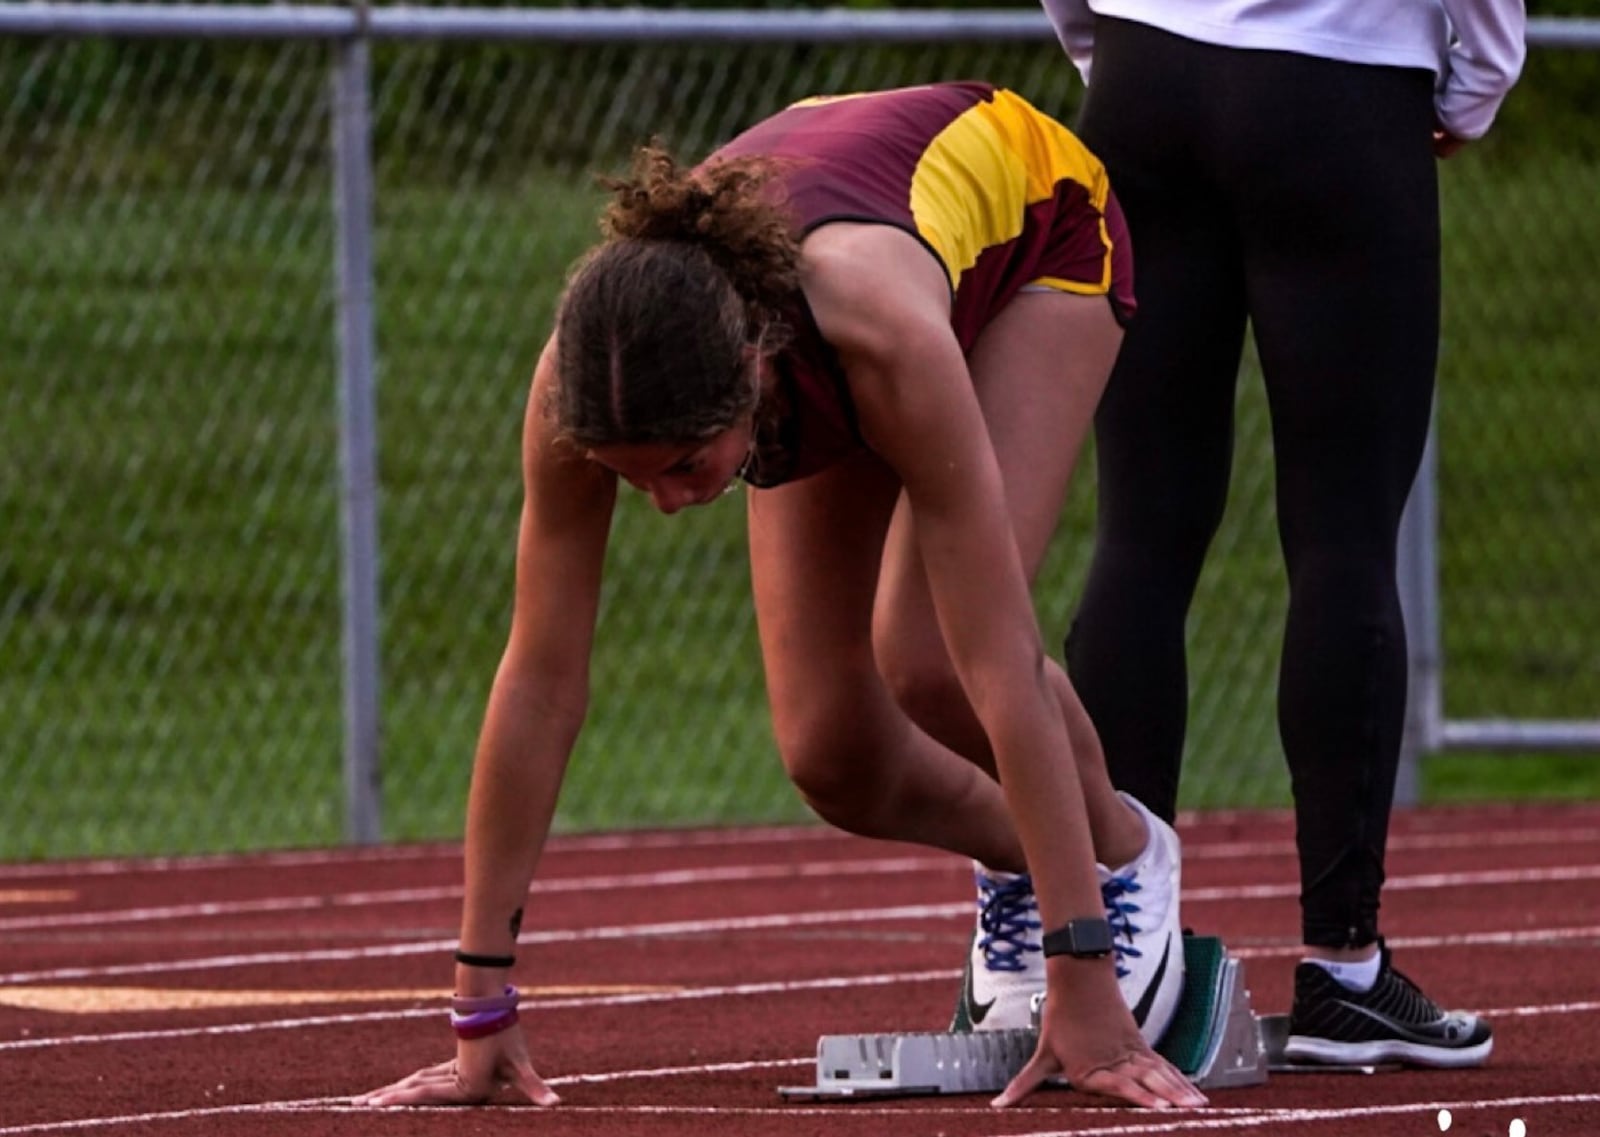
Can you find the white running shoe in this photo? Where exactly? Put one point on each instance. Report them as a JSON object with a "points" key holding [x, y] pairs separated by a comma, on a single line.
{"points": [[1141, 901], [1005, 968]]}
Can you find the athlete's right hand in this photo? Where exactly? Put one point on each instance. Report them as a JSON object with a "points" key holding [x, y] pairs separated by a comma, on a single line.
{"points": [[1089, 1039], [480, 1070]]}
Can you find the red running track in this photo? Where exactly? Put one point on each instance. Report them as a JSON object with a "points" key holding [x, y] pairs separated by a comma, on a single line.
{"points": [[678, 979]]}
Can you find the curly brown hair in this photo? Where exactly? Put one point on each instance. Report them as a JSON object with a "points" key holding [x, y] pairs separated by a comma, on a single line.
{"points": [[697, 265]]}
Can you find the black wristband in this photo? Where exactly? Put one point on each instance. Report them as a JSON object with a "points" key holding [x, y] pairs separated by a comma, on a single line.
{"points": [[468, 959], [1088, 937]]}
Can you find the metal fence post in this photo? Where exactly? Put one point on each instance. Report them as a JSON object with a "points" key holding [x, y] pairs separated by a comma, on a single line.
{"points": [[352, 154], [1418, 579]]}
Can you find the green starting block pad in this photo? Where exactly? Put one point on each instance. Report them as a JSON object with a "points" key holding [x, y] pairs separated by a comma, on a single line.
{"points": [[1214, 1038]]}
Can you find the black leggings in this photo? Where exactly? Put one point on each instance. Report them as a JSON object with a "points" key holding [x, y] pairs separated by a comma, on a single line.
{"points": [[1300, 195]]}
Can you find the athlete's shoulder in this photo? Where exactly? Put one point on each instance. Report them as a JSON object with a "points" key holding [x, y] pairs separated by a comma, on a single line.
{"points": [[865, 283]]}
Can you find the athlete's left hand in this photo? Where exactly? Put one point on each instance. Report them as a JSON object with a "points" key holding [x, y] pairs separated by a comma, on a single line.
{"points": [[480, 1071]]}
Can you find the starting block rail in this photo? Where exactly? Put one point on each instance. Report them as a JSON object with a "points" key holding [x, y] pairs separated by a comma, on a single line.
{"points": [[1215, 1039]]}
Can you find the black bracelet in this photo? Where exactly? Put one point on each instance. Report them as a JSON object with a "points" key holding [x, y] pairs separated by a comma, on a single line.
{"points": [[468, 959]]}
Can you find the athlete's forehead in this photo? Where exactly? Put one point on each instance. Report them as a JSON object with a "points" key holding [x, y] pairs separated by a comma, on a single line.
{"points": [[644, 460]]}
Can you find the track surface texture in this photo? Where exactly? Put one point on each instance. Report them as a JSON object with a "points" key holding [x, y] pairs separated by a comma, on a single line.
{"points": [[673, 981]]}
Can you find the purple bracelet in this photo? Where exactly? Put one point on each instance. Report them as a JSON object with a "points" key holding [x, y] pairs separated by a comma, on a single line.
{"points": [[507, 1000], [482, 1024]]}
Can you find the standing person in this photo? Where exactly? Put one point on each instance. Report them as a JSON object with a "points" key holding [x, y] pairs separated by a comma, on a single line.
{"points": [[1277, 165], [892, 315]]}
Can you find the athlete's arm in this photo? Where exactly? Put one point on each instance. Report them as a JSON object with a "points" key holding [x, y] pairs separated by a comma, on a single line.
{"points": [[536, 707], [541, 689], [883, 303]]}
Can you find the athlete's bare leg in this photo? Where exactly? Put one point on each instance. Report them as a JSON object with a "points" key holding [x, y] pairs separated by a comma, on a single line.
{"points": [[855, 756], [1039, 369], [834, 555]]}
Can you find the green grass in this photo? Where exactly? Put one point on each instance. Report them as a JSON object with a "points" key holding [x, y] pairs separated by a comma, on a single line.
{"points": [[1496, 777], [170, 581]]}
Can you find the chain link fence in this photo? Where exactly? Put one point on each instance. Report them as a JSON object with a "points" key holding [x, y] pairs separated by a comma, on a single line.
{"points": [[170, 496]]}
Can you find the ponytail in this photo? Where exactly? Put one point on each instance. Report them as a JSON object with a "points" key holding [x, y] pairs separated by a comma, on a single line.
{"points": [[731, 209], [657, 324]]}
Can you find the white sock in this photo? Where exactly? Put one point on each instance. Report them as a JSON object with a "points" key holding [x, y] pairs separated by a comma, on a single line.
{"points": [[1357, 976]]}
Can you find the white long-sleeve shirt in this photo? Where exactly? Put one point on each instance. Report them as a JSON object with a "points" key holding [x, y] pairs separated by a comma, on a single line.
{"points": [[1474, 47]]}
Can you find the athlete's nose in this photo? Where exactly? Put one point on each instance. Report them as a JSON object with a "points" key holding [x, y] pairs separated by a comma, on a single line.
{"points": [[669, 498]]}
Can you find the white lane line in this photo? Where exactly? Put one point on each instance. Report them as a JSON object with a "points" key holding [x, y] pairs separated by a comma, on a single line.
{"points": [[730, 874], [736, 874], [589, 1002], [1196, 1122], [82, 1123], [779, 921], [679, 1071], [576, 843], [925, 1107], [1199, 1121], [1417, 882], [1194, 849], [1198, 850], [344, 1105], [782, 921], [1532, 1011]]}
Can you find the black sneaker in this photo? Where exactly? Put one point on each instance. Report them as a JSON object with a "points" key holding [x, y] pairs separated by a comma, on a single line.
{"points": [[1393, 1022]]}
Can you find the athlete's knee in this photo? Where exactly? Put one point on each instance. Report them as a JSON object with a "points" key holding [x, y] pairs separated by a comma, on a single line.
{"points": [[929, 693], [829, 751]]}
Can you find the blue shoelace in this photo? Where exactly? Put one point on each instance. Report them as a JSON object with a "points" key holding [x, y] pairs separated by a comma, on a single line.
{"points": [[1009, 915], [1114, 893]]}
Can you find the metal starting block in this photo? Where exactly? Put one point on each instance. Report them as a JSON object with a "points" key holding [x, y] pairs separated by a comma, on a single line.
{"points": [[1214, 1038]]}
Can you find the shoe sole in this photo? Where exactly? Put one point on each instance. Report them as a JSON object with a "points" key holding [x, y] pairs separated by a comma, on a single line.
{"points": [[1307, 1048]]}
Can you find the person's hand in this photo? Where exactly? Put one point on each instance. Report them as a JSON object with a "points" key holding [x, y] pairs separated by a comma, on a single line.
{"points": [[1444, 143], [1093, 1043], [479, 1071]]}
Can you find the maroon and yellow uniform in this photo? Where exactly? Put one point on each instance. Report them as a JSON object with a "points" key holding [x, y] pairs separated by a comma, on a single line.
{"points": [[1003, 196]]}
